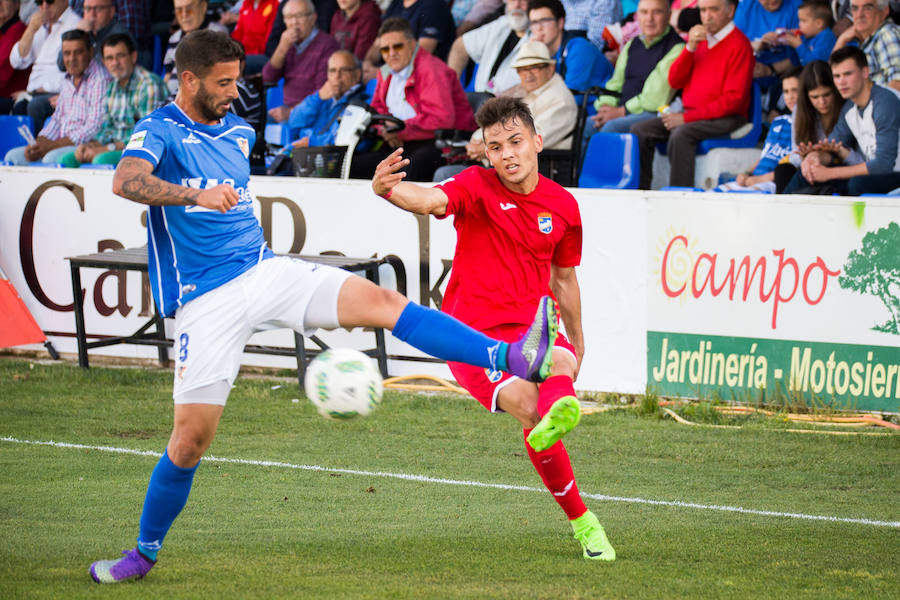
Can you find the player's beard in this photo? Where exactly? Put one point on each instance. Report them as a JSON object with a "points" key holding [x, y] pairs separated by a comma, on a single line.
{"points": [[206, 104]]}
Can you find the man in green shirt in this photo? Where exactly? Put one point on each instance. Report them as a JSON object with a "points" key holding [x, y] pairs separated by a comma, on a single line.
{"points": [[133, 93], [641, 73]]}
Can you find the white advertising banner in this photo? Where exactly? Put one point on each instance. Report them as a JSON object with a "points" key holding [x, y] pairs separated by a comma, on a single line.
{"points": [[48, 215], [752, 296]]}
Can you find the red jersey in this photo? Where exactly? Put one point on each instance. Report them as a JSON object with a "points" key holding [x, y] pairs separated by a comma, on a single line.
{"points": [[505, 244], [254, 25]]}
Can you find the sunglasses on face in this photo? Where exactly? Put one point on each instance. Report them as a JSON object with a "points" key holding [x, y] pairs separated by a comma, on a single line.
{"points": [[39, 2], [395, 47]]}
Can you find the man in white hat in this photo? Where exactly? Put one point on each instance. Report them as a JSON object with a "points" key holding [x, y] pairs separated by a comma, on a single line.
{"points": [[545, 93]]}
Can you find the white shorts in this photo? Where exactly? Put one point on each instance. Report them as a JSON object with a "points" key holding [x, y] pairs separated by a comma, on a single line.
{"points": [[212, 330]]}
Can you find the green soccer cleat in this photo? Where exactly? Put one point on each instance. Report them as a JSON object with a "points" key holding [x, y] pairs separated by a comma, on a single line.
{"points": [[594, 544], [562, 418]]}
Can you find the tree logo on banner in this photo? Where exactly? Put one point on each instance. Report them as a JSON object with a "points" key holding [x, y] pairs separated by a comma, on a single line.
{"points": [[875, 269]]}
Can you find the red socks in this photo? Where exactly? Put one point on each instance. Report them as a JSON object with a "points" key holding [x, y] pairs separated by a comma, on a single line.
{"points": [[551, 390], [556, 472]]}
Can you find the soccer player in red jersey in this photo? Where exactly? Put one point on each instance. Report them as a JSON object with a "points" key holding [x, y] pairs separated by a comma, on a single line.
{"points": [[518, 239]]}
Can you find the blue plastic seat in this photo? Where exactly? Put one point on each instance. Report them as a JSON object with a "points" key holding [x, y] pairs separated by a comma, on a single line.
{"points": [[611, 161], [46, 165], [748, 140], [370, 87], [103, 167], [158, 55], [9, 132], [679, 188], [275, 95]]}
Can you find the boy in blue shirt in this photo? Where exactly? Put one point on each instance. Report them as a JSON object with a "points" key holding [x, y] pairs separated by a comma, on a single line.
{"points": [[761, 177], [816, 39]]}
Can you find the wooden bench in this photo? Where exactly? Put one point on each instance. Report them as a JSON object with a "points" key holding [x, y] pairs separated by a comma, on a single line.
{"points": [[153, 332]]}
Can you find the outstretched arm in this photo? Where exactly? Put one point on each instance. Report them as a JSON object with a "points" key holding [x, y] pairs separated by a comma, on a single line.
{"points": [[388, 183], [134, 180], [564, 284]]}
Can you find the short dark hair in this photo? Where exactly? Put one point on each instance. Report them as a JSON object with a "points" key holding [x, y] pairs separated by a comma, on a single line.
{"points": [[118, 38], [820, 10], [504, 110], [202, 49], [393, 24], [793, 72], [849, 53], [556, 7], [78, 35]]}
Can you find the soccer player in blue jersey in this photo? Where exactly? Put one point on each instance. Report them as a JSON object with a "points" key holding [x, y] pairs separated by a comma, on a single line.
{"points": [[211, 269]]}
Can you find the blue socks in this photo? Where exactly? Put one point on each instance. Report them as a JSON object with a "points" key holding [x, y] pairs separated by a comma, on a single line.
{"points": [[167, 494], [447, 338]]}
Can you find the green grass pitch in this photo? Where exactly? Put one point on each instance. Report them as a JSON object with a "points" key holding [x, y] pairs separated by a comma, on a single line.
{"points": [[356, 529]]}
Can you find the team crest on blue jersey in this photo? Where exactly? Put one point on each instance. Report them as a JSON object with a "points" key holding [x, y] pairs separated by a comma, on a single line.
{"points": [[545, 222], [244, 145], [493, 376]]}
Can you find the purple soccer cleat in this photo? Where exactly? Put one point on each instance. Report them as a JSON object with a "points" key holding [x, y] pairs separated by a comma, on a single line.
{"points": [[532, 356], [133, 565]]}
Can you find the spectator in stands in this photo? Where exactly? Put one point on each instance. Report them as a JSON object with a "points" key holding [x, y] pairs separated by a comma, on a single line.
{"points": [[38, 48], [79, 110], [493, 48], [580, 63], [315, 121], [254, 23], [100, 21], [714, 71], [816, 38], [471, 14], [190, 15], [424, 93], [863, 154], [545, 93], [355, 26], [817, 112], [135, 16], [764, 22], [301, 57], [641, 75], [591, 16], [12, 81], [778, 145], [325, 10], [133, 93], [431, 23], [878, 37]]}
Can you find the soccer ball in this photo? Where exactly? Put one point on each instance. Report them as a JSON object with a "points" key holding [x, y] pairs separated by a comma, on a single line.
{"points": [[343, 383]]}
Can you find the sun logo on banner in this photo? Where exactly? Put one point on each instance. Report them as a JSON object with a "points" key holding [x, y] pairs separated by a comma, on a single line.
{"points": [[679, 260]]}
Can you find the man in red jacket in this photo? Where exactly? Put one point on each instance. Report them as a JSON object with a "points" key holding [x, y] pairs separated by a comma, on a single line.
{"points": [[714, 71], [420, 90]]}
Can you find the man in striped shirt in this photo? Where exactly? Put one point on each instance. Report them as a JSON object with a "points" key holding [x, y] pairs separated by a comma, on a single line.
{"points": [[79, 110], [133, 93]]}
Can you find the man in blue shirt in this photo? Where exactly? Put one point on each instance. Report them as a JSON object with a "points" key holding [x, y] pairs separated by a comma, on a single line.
{"points": [[762, 21], [315, 121], [210, 268]]}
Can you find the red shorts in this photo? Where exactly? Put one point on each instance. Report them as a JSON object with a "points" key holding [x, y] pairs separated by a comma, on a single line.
{"points": [[484, 384]]}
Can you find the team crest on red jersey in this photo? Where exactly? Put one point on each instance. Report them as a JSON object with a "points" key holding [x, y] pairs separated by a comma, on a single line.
{"points": [[545, 222]]}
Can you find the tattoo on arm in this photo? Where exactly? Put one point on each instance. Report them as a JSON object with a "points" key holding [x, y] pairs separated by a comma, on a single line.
{"points": [[134, 180]]}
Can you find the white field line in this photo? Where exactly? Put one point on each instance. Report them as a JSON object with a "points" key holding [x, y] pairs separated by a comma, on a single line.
{"points": [[461, 482]]}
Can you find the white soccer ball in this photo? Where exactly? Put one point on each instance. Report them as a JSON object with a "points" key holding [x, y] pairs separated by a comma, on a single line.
{"points": [[343, 383]]}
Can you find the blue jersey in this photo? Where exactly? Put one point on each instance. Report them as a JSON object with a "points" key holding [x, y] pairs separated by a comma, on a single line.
{"points": [[192, 249]]}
